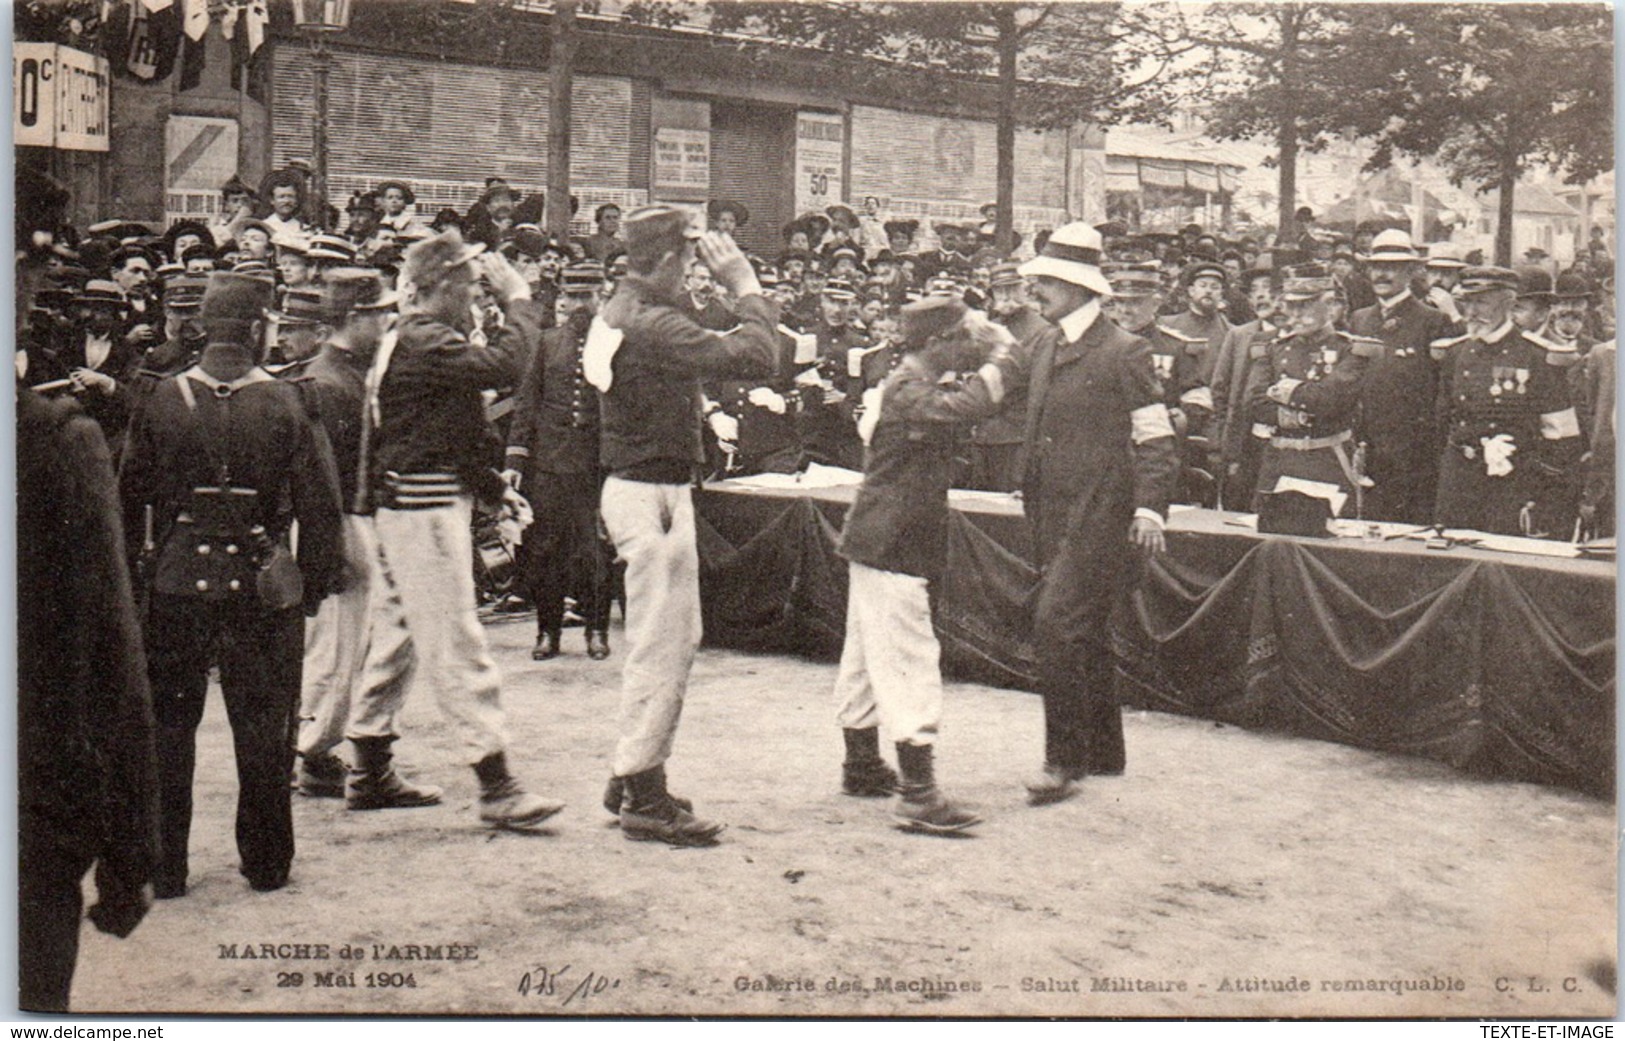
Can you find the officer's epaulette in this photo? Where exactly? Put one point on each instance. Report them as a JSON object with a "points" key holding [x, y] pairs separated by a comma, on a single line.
{"points": [[1259, 349], [1556, 353], [1365, 346], [1193, 344], [1439, 348]]}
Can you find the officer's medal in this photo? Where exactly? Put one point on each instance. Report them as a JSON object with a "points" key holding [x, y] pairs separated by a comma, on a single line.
{"points": [[1523, 381], [1499, 383]]}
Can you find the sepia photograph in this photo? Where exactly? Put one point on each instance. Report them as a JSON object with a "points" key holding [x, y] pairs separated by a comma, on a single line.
{"points": [[513, 496]]}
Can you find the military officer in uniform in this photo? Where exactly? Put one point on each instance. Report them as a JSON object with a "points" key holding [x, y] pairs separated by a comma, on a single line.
{"points": [[1304, 387], [1397, 422], [1203, 283], [1239, 450], [552, 459], [1512, 435], [1101, 462], [227, 459], [1181, 364], [765, 413], [996, 441]]}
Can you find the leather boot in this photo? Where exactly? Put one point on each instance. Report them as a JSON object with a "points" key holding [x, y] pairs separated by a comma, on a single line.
{"points": [[547, 646], [504, 803], [864, 774], [615, 797], [597, 645], [920, 805], [321, 775], [649, 814], [374, 784]]}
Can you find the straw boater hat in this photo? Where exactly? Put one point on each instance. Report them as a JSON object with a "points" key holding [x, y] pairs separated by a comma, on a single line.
{"points": [[1444, 255], [1393, 246], [1072, 254]]}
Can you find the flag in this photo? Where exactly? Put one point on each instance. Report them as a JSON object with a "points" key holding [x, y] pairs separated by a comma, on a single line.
{"points": [[194, 45], [246, 59], [149, 42]]}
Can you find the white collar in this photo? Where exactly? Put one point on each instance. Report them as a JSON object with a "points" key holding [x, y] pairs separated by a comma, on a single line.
{"points": [[1394, 301], [1498, 334], [1074, 325]]}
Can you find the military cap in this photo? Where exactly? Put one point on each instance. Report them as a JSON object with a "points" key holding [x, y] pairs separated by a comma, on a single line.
{"points": [[583, 277], [301, 305], [1307, 281], [930, 316], [428, 262], [944, 285], [233, 296], [1486, 279], [1135, 280], [653, 230], [768, 276], [1006, 273], [1204, 269], [351, 289], [839, 289]]}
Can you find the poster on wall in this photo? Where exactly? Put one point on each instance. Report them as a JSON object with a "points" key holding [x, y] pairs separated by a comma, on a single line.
{"points": [[820, 154], [60, 97], [682, 160]]}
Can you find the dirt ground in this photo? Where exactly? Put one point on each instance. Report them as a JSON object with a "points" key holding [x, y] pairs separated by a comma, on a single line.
{"points": [[1228, 873]]}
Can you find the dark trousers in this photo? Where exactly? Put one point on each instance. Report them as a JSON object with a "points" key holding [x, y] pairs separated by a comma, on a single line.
{"points": [[49, 910], [562, 554], [994, 467], [1084, 573], [260, 654], [1469, 498]]}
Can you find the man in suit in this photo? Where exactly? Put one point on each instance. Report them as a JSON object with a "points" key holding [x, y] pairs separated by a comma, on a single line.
{"points": [[996, 441], [1396, 421], [1101, 462]]}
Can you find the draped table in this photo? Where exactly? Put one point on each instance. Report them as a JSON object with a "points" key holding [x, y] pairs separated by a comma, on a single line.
{"points": [[1498, 663]]}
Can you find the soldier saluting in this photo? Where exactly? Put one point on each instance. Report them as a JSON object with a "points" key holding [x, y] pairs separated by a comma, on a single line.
{"points": [[227, 459]]}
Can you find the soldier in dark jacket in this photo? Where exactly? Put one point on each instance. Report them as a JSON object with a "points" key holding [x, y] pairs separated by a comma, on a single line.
{"points": [[228, 459], [428, 459], [896, 542], [1101, 462], [1303, 388], [1397, 397], [1512, 436], [552, 459], [87, 782], [648, 358]]}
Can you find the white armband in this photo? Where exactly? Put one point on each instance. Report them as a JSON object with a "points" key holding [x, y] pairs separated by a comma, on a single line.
{"points": [[1554, 426], [993, 376], [1198, 397], [1142, 513], [1150, 422]]}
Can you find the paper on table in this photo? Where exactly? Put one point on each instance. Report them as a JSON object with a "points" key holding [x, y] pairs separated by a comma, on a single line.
{"points": [[1318, 489]]}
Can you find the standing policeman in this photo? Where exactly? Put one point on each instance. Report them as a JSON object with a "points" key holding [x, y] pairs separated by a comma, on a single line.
{"points": [[227, 459]]}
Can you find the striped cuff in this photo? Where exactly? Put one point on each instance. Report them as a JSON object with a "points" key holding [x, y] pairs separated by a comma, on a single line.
{"points": [[423, 491]]}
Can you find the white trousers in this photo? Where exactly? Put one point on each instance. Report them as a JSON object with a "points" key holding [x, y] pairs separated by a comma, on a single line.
{"points": [[891, 664], [336, 642], [424, 622], [652, 526]]}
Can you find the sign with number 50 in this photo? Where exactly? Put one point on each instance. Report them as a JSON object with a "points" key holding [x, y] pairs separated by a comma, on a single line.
{"points": [[820, 152]]}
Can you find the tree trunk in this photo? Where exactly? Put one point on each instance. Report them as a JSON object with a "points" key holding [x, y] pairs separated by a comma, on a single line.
{"points": [[561, 66], [1009, 45], [1287, 185], [1508, 186]]}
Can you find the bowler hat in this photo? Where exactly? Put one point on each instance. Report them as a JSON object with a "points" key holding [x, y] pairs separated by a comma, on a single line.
{"points": [[1534, 283], [1571, 286]]}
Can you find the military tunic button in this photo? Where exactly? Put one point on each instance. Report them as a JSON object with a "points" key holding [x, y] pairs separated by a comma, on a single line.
{"points": [[231, 549], [202, 585], [234, 585]]}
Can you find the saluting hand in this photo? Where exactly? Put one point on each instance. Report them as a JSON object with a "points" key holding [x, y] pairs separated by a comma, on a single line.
{"points": [[728, 264]]}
